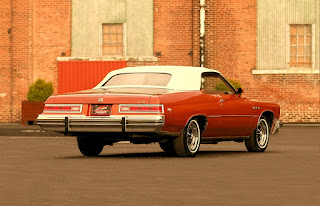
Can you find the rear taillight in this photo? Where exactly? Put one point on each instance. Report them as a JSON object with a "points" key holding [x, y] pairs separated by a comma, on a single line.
{"points": [[62, 108], [141, 108]]}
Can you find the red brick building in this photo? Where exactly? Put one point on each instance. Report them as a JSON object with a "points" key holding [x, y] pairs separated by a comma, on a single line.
{"points": [[36, 35]]}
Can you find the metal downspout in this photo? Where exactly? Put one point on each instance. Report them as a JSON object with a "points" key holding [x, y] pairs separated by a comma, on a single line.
{"points": [[202, 32], [11, 60]]}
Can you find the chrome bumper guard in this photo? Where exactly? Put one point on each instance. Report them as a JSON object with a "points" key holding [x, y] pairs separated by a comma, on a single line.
{"points": [[113, 123], [275, 126]]}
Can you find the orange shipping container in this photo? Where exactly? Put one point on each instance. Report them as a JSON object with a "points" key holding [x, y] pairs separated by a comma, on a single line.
{"points": [[82, 75]]}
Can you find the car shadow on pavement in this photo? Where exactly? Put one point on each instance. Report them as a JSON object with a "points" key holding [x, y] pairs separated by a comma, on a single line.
{"points": [[148, 155]]}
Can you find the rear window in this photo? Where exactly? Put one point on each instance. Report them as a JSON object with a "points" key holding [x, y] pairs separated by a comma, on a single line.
{"points": [[139, 79]]}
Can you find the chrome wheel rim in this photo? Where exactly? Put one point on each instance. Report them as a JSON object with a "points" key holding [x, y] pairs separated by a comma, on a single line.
{"points": [[193, 136], [262, 133]]}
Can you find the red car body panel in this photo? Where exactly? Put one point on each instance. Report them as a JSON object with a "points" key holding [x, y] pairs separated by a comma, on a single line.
{"points": [[225, 115], [234, 116]]}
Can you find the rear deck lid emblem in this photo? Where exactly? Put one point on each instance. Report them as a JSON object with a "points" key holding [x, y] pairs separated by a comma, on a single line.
{"points": [[100, 100]]}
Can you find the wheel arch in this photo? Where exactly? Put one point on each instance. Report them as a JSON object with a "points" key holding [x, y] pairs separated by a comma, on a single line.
{"points": [[201, 119], [269, 115]]}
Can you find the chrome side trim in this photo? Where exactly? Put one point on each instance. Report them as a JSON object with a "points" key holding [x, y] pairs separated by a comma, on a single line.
{"points": [[240, 116], [215, 116]]}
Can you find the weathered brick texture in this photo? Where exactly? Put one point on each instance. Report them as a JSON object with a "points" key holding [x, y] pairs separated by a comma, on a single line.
{"points": [[5, 61], [297, 94], [51, 37], [21, 47], [173, 31], [33, 33], [231, 37], [231, 48], [39, 32]]}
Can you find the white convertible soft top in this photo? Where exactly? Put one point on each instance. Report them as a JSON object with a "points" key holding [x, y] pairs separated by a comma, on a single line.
{"points": [[183, 77]]}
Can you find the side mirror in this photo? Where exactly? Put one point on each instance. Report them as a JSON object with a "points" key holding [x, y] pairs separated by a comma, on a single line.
{"points": [[239, 90]]}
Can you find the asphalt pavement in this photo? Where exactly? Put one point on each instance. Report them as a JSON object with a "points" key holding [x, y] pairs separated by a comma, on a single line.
{"points": [[49, 170], [16, 129]]}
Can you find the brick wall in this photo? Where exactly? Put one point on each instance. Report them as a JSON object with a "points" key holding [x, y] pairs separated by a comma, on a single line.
{"points": [[173, 31], [51, 37], [297, 94], [40, 31], [231, 48], [5, 61], [231, 37], [176, 33], [21, 55]]}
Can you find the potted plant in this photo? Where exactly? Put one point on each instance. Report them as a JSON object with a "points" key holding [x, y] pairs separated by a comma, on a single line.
{"points": [[39, 91]]}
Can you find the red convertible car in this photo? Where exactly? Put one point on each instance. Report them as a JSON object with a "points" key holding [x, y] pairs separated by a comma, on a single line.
{"points": [[179, 107]]}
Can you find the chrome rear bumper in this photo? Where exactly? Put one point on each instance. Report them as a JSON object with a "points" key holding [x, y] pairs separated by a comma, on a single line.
{"points": [[113, 123]]}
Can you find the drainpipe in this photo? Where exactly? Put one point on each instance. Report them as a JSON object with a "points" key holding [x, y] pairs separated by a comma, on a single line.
{"points": [[202, 32], [11, 61]]}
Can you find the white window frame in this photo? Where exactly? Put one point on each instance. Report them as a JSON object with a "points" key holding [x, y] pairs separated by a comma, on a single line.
{"points": [[123, 36], [313, 48]]}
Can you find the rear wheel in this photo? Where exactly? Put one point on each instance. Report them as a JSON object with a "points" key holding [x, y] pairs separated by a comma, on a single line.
{"points": [[259, 139], [89, 146], [188, 142]]}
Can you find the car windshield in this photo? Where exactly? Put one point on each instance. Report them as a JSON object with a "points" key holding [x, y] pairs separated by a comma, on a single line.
{"points": [[139, 79]]}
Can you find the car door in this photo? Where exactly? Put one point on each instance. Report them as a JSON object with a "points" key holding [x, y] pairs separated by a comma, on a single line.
{"points": [[236, 115], [235, 112], [213, 112]]}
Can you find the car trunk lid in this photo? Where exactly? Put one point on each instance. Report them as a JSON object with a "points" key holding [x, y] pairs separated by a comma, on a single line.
{"points": [[107, 96]]}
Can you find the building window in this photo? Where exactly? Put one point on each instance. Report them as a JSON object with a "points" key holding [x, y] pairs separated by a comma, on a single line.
{"points": [[301, 45], [112, 39]]}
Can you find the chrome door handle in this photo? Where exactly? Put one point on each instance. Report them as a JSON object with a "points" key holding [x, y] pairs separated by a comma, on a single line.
{"points": [[222, 100]]}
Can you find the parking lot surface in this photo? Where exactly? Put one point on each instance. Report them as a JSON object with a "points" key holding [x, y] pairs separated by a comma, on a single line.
{"points": [[38, 170]]}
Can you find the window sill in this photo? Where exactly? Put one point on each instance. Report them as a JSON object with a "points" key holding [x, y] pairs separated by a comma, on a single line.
{"points": [[287, 71], [110, 58]]}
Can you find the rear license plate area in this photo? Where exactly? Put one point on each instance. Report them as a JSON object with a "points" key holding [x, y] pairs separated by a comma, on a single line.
{"points": [[100, 110]]}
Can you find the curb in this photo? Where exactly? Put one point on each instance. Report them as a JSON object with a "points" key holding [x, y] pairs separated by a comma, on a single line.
{"points": [[301, 125], [25, 130]]}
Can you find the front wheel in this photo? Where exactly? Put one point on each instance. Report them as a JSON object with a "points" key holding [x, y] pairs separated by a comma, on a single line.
{"points": [[89, 146], [258, 141], [188, 142]]}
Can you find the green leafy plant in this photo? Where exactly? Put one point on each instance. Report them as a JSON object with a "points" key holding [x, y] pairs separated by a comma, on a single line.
{"points": [[235, 83], [222, 87], [40, 90]]}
